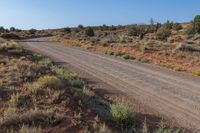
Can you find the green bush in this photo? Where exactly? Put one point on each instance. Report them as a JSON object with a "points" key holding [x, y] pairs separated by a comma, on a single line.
{"points": [[190, 31], [127, 57], [49, 82], [80, 26], [163, 33], [67, 29], [111, 53], [35, 57], [32, 31], [196, 24], [197, 73], [122, 115], [12, 29], [2, 29], [10, 36], [45, 62], [119, 53], [165, 129], [168, 25], [195, 27], [89, 31], [138, 30], [40, 59], [72, 78]]}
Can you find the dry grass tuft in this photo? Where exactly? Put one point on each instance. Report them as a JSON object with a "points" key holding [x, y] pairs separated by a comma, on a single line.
{"points": [[32, 118], [27, 129]]}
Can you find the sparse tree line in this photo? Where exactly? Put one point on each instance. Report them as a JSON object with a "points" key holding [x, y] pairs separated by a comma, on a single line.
{"points": [[161, 31]]}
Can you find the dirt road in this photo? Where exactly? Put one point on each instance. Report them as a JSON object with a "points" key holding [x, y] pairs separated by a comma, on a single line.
{"points": [[175, 95]]}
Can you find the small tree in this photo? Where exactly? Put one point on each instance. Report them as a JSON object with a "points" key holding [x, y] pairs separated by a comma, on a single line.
{"points": [[152, 22], [89, 31], [196, 24], [2, 29], [163, 33], [138, 30], [12, 29], [80, 26], [168, 25], [67, 29], [32, 31], [195, 27]]}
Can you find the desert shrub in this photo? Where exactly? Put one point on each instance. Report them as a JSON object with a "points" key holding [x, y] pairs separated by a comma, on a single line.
{"points": [[168, 25], [13, 46], [45, 62], [119, 53], [89, 31], [163, 33], [104, 27], [27, 129], [136, 30], [72, 78], [196, 36], [184, 47], [10, 36], [143, 60], [107, 40], [126, 57], [12, 29], [25, 101], [33, 118], [196, 24], [40, 59], [195, 27], [190, 31], [177, 26], [67, 29], [122, 115], [80, 26], [10, 112], [112, 28], [132, 31], [35, 88], [30, 72], [2, 29], [165, 129], [111, 53], [35, 57], [49, 82], [14, 100], [76, 82], [32, 31], [197, 73]]}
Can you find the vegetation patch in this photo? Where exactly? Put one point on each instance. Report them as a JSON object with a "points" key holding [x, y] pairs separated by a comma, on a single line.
{"points": [[122, 115], [49, 82], [32, 118], [197, 73], [40, 96], [120, 54]]}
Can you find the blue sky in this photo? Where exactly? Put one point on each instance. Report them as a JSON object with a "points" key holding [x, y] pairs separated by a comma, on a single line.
{"points": [[41, 14]]}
